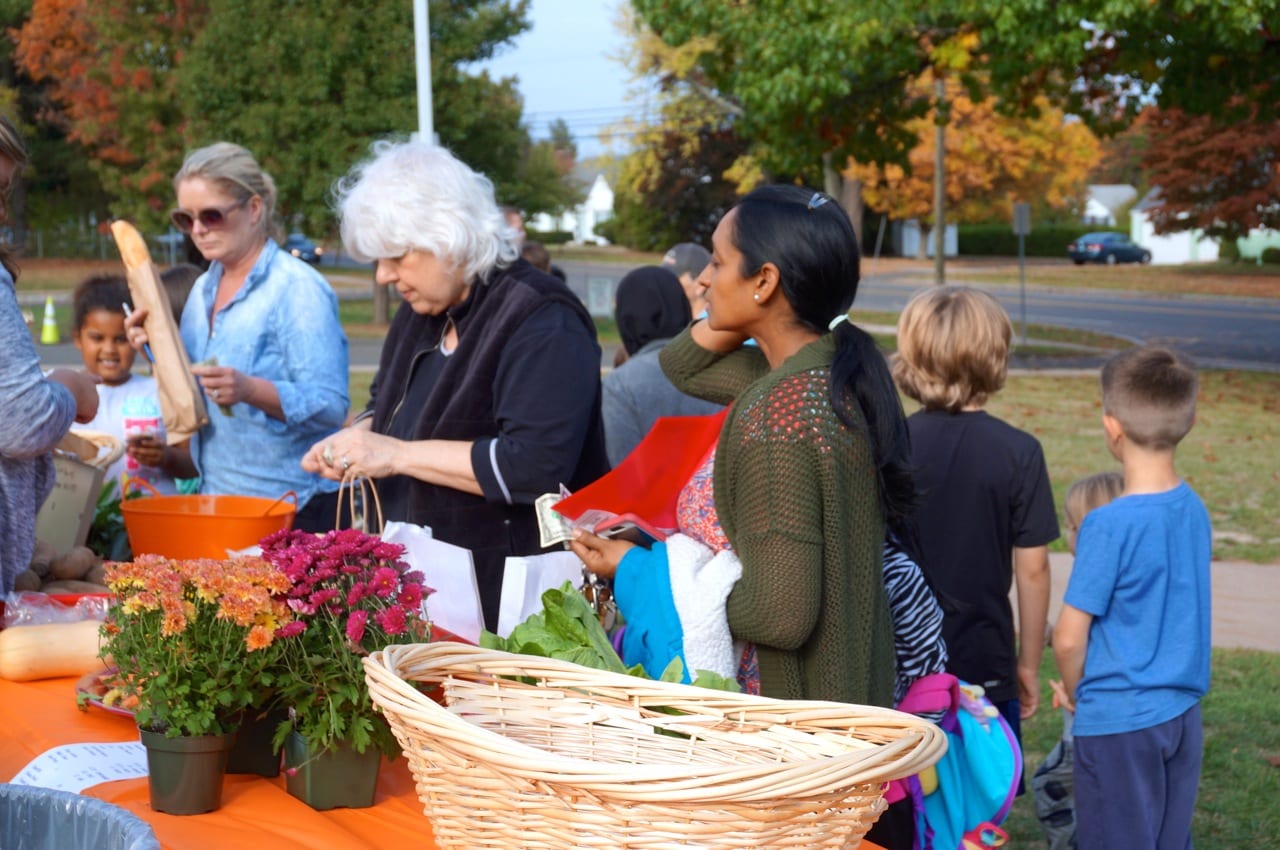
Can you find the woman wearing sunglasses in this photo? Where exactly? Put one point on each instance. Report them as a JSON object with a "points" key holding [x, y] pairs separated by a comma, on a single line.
{"points": [[488, 391], [263, 327]]}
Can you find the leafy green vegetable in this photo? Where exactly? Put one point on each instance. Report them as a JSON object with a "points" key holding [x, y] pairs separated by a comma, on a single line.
{"points": [[568, 629], [107, 535]]}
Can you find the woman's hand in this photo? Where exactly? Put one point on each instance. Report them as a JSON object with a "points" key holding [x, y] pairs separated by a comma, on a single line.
{"points": [[225, 385], [601, 554], [354, 451]]}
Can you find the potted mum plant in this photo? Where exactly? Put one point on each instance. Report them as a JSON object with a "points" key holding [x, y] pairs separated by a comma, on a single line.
{"points": [[194, 643], [350, 594]]}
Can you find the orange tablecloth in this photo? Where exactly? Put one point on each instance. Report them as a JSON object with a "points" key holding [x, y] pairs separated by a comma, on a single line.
{"points": [[256, 813]]}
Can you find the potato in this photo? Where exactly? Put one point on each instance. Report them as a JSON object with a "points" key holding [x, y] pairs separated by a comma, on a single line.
{"points": [[26, 580], [97, 575], [74, 563], [41, 558]]}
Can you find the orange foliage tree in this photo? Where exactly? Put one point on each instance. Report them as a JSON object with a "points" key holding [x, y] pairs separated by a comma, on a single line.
{"points": [[110, 71], [992, 160]]}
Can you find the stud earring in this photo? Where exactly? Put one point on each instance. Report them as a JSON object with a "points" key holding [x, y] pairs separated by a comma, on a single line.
{"points": [[756, 297]]}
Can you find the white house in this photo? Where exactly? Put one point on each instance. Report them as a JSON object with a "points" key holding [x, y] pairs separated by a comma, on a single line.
{"points": [[1104, 201], [1187, 246], [581, 220]]}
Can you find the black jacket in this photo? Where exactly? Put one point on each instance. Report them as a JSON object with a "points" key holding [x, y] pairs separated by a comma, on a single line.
{"points": [[498, 386]]}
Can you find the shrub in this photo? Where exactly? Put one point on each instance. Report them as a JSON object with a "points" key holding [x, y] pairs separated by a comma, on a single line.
{"points": [[1271, 256], [550, 237], [608, 230], [985, 240]]}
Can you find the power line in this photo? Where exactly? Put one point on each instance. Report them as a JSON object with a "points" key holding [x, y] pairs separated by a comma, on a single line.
{"points": [[586, 109]]}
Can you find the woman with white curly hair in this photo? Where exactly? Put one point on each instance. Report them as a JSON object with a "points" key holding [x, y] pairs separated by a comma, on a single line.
{"points": [[488, 391]]}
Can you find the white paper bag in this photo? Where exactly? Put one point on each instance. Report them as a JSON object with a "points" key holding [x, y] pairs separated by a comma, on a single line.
{"points": [[449, 571], [524, 580]]}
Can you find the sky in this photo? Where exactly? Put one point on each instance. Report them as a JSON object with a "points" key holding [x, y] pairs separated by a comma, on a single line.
{"points": [[563, 69]]}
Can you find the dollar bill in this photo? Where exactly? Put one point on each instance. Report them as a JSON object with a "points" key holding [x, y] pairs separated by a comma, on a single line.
{"points": [[213, 361], [552, 527]]}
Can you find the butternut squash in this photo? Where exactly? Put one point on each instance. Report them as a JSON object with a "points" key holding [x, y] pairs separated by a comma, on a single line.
{"points": [[49, 650]]}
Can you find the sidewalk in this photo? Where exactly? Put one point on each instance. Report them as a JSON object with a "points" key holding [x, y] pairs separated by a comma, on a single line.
{"points": [[1246, 602]]}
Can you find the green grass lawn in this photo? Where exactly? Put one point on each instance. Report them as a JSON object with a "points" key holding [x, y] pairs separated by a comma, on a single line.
{"points": [[1226, 457], [1231, 279], [1239, 783]]}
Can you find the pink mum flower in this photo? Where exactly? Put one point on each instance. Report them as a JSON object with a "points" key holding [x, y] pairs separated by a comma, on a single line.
{"points": [[392, 620], [356, 624]]}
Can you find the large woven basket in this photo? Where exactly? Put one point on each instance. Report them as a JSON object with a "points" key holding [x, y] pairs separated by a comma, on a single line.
{"points": [[535, 753]]}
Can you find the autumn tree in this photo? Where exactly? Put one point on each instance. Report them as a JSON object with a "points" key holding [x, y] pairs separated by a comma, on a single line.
{"points": [[111, 71], [992, 160], [808, 80], [685, 169], [1120, 159], [542, 180], [664, 196], [306, 86], [1213, 174]]}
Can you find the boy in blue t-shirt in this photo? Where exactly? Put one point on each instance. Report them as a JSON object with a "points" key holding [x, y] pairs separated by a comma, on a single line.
{"points": [[1133, 639]]}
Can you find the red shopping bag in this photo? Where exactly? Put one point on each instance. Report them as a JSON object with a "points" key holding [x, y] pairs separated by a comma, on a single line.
{"points": [[647, 484]]}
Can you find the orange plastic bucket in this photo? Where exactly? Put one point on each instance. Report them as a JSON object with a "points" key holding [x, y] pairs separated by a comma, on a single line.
{"points": [[202, 526]]}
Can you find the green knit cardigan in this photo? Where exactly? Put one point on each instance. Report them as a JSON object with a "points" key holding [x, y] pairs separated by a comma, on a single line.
{"points": [[796, 493]]}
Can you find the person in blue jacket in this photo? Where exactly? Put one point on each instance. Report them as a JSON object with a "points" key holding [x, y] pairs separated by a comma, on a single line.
{"points": [[36, 410]]}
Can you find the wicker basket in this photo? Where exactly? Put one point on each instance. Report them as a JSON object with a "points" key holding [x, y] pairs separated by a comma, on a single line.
{"points": [[537, 753]]}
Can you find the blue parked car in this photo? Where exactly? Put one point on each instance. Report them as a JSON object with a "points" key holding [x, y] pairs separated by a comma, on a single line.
{"points": [[303, 248], [1109, 248]]}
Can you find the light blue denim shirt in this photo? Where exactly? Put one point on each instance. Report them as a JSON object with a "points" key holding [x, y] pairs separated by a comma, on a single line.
{"points": [[282, 326]]}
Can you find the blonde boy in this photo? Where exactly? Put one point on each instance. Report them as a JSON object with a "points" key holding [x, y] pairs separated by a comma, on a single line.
{"points": [[986, 513], [1133, 640]]}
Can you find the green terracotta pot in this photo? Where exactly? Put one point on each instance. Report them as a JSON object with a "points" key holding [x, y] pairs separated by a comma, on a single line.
{"points": [[185, 774], [337, 778], [251, 751]]}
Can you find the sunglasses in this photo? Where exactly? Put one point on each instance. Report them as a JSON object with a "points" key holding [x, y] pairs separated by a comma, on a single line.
{"points": [[212, 218]]}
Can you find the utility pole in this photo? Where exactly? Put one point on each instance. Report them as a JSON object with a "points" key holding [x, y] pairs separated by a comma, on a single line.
{"points": [[939, 181], [422, 61], [426, 127]]}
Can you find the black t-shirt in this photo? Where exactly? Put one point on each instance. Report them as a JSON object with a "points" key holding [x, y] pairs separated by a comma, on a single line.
{"points": [[984, 490]]}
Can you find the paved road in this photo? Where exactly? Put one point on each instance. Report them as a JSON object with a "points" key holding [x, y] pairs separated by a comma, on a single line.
{"points": [[1216, 332], [1245, 600]]}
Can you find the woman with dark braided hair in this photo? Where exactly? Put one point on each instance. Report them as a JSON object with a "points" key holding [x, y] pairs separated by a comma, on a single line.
{"points": [[811, 468]]}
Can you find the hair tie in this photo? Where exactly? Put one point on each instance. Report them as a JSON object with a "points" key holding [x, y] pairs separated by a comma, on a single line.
{"points": [[835, 323]]}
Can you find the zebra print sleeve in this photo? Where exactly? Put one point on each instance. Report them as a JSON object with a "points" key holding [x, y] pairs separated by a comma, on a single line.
{"points": [[917, 620]]}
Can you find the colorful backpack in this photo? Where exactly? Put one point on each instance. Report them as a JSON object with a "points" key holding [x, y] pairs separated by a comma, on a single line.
{"points": [[961, 801]]}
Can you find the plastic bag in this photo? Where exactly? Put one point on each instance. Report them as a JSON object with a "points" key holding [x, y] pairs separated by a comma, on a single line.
{"points": [[43, 819], [31, 608]]}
